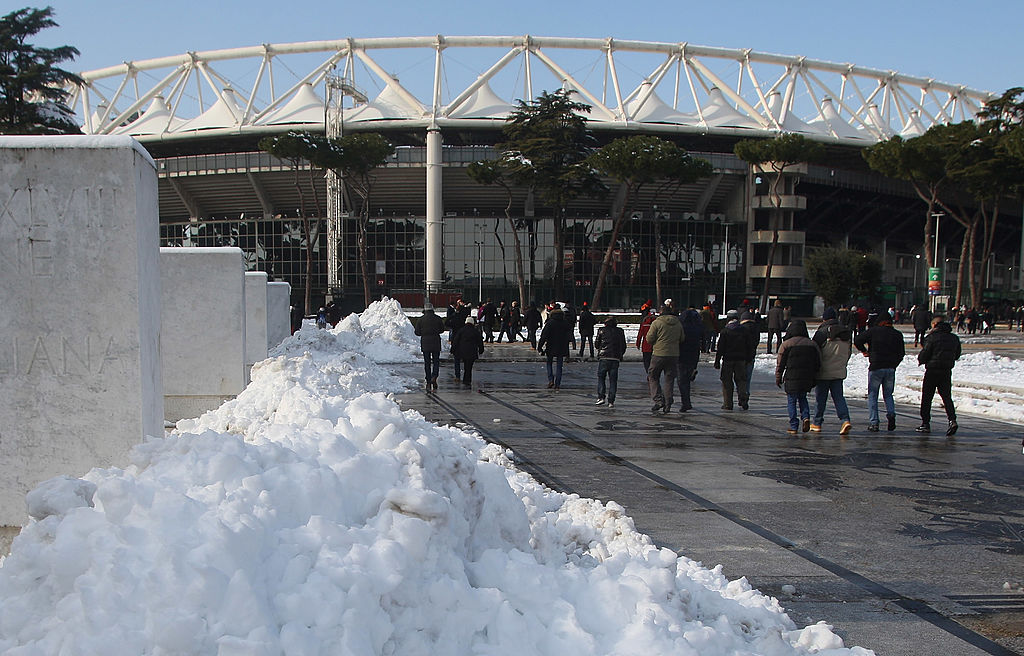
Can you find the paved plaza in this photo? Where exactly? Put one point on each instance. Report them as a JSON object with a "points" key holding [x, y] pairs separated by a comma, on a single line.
{"points": [[907, 545]]}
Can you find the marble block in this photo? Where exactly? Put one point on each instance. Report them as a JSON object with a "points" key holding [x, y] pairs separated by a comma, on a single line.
{"points": [[279, 313], [80, 371], [203, 319], [255, 319]]}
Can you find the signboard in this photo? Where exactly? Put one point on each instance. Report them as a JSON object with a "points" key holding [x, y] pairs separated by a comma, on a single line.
{"points": [[934, 281]]}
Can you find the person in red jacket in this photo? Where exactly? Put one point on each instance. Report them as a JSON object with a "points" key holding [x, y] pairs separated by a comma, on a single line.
{"points": [[641, 337]]}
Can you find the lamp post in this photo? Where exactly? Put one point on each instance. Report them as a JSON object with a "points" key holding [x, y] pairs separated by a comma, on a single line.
{"points": [[917, 265], [935, 259]]}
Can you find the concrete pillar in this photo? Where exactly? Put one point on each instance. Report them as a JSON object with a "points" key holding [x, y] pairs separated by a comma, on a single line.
{"points": [[435, 205]]}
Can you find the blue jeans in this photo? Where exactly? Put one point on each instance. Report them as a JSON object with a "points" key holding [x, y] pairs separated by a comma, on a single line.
{"points": [[607, 369], [792, 400], [886, 379], [431, 364], [821, 394], [555, 375]]}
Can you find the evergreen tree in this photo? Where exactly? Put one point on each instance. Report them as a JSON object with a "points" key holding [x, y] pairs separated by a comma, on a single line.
{"points": [[33, 98]]}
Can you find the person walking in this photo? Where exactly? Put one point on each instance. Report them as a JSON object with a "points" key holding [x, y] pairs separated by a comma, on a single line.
{"points": [[665, 336], [750, 323], [554, 344], [611, 348], [516, 323], [731, 359], [504, 322], [883, 346], [796, 366], [922, 320], [646, 320], [587, 321], [689, 356], [775, 325], [429, 328], [710, 319], [570, 317], [468, 343], [939, 353], [533, 321], [836, 343]]}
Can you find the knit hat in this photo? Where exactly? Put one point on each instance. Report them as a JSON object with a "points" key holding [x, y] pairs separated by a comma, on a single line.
{"points": [[471, 321], [747, 316], [732, 314], [428, 306], [829, 313]]}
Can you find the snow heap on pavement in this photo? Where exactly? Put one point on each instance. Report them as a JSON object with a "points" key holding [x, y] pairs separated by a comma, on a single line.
{"points": [[311, 515]]}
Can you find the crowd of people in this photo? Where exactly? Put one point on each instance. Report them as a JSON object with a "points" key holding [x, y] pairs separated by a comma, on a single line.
{"points": [[671, 343]]}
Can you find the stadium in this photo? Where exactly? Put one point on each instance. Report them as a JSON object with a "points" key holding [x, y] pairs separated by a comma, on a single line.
{"points": [[443, 100]]}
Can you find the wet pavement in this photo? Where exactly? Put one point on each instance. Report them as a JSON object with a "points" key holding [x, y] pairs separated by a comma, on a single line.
{"points": [[905, 544]]}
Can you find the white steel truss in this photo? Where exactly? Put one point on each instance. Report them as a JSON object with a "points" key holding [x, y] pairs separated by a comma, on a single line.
{"points": [[645, 86]]}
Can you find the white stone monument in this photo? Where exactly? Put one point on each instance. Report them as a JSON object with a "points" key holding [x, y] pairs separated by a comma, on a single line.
{"points": [[80, 371], [255, 319], [203, 340], [279, 313]]}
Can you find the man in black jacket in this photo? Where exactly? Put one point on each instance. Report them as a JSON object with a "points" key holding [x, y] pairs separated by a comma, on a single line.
{"points": [[731, 357], [587, 321], [883, 346], [611, 347], [922, 319], [941, 349], [532, 323], [554, 341], [429, 328]]}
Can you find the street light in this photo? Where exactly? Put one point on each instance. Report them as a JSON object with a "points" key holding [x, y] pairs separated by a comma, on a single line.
{"points": [[917, 265]]}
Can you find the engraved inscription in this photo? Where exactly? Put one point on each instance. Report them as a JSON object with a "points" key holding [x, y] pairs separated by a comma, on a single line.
{"points": [[56, 355], [30, 215]]}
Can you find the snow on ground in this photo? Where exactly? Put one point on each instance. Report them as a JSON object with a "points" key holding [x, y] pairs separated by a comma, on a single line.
{"points": [[311, 515], [983, 384]]}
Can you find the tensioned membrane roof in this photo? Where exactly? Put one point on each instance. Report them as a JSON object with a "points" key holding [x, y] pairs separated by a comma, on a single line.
{"points": [[473, 82]]}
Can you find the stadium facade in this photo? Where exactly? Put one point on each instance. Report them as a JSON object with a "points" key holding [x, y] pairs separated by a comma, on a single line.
{"points": [[443, 101]]}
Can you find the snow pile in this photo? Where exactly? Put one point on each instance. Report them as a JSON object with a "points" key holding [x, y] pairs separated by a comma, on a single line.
{"points": [[983, 383], [311, 515], [382, 333]]}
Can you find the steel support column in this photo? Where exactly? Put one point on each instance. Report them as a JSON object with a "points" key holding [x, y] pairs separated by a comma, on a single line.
{"points": [[435, 260]]}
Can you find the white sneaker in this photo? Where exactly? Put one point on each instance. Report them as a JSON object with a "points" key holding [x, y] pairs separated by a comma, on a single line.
{"points": [[599, 402], [611, 405]]}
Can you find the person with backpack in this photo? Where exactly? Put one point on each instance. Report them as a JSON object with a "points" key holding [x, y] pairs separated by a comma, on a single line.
{"points": [[611, 348], [836, 343], [939, 353], [796, 366], [883, 346]]}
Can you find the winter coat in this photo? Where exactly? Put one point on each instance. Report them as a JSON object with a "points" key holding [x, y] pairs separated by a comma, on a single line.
{"points": [[641, 333], [587, 322], [885, 347], [665, 336], [941, 348], [798, 360], [610, 343], [468, 343], [753, 338], [836, 343], [554, 338], [775, 319], [693, 329], [922, 318], [429, 328], [711, 326], [733, 344], [533, 318]]}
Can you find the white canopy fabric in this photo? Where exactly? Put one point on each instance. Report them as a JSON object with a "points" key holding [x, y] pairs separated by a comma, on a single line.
{"points": [[718, 113], [648, 107], [389, 104], [304, 107], [156, 119], [791, 122], [835, 125], [225, 113], [483, 103], [913, 127]]}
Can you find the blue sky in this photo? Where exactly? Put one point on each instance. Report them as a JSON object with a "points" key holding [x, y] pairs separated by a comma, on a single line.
{"points": [[944, 39]]}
